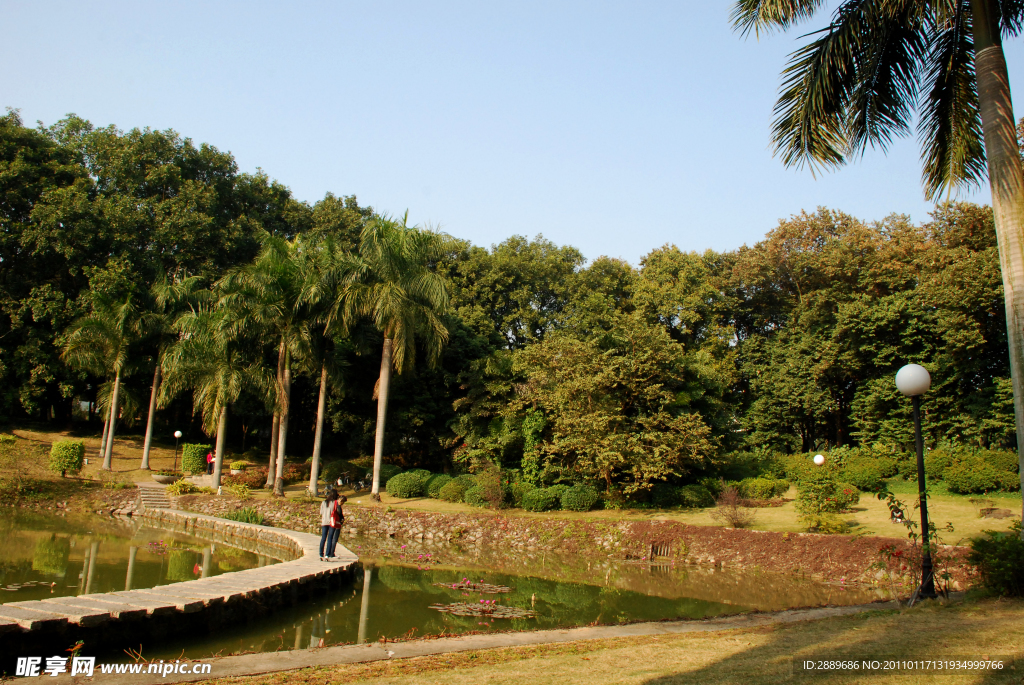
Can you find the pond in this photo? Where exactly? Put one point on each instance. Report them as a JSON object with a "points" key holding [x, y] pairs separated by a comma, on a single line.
{"points": [[47, 555], [405, 592]]}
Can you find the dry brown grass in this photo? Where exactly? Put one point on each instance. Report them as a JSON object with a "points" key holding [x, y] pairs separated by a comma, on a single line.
{"points": [[751, 656]]}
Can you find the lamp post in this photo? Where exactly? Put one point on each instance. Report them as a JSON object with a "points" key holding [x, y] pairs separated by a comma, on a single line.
{"points": [[177, 436], [913, 381]]}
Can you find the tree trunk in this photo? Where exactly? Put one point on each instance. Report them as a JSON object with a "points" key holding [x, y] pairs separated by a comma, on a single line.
{"points": [[149, 420], [282, 438], [218, 455], [272, 469], [320, 406], [382, 414], [1006, 178], [109, 450], [103, 440]]}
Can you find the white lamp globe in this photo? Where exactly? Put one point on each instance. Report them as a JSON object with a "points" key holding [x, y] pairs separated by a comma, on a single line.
{"points": [[819, 459], [177, 434], [913, 380]]}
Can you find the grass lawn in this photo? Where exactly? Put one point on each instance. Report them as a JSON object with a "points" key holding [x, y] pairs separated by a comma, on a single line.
{"points": [[870, 517], [750, 656]]}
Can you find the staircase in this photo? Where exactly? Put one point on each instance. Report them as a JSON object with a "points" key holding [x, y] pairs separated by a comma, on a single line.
{"points": [[153, 496]]}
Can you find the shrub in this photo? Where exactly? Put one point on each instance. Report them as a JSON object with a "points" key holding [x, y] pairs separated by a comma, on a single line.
{"points": [[1000, 560], [540, 499], [387, 472], [205, 490], [712, 485], [239, 465], [405, 485], [493, 489], [251, 478], [579, 498], [66, 456], [935, 464], [193, 457], [182, 487], [453, 491], [695, 497], [757, 488], [1001, 460], [866, 474], [423, 474], [434, 484], [907, 468], [245, 515], [819, 499], [475, 496], [239, 490], [519, 491], [331, 471], [972, 476], [731, 509], [848, 495], [557, 490]]}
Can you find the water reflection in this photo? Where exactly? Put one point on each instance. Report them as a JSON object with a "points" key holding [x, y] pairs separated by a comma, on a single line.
{"points": [[45, 555]]}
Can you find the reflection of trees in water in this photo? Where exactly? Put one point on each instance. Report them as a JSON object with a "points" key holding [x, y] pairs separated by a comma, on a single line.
{"points": [[51, 556], [181, 564]]}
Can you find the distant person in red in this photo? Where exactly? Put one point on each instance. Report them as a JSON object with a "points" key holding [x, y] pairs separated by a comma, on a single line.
{"points": [[209, 462]]}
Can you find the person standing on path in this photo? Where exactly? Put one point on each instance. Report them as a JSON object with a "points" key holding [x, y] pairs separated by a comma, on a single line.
{"points": [[326, 516], [209, 463], [337, 518]]}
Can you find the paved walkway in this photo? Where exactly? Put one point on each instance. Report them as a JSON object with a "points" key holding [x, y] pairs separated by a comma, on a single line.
{"points": [[269, 662]]}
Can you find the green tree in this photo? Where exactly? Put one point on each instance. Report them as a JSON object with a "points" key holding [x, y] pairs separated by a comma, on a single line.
{"points": [[100, 343], [856, 84], [397, 286]]}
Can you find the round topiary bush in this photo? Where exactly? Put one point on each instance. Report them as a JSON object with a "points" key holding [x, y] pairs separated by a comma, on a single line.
{"points": [[387, 472], [405, 485], [757, 488], [579, 498], [239, 465], [423, 474], [695, 497], [865, 474], [453, 491], [540, 499], [67, 456], [664, 496], [475, 497], [519, 491], [848, 495], [193, 457], [435, 483], [972, 476]]}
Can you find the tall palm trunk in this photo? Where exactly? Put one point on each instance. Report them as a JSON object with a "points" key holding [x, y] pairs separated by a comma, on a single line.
{"points": [[382, 414], [109, 450], [282, 438], [320, 406], [149, 420], [218, 455], [272, 469], [103, 440], [1006, 178]]}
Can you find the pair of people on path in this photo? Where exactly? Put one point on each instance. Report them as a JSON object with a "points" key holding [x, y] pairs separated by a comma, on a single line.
{"points": [[331, 518]]}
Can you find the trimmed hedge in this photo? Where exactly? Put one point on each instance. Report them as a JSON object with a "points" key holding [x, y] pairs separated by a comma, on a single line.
{"points": [[67, 456], [387, 472], [696, 497], [762, 488], [193, 457], [579, 498], [239, 465], [406, 485], [434, 484], [972, 476], [541, 499], [866, 474], [475, 497], [453, 491], [519, 491]]}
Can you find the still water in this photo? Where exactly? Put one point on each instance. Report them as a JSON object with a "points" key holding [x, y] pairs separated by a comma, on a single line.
{"points": [[46, 555]]}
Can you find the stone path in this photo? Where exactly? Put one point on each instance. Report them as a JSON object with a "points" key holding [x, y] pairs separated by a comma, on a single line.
{"points": [[88, 611], [270, 662]]}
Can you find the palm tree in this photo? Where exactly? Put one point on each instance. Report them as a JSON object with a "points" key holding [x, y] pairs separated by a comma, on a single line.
{"points": [[168, 296], [328, 277], [263, 298], [208, 360], [100, 343], [856, 83], [395, 285]]}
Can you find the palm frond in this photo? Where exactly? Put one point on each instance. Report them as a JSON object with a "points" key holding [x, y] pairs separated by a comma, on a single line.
{"points": [[761, 15], [950, 131]]}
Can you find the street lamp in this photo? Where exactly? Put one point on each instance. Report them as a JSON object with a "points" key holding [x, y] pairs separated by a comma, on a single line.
{"points": [[913, 381], [177, 436]]}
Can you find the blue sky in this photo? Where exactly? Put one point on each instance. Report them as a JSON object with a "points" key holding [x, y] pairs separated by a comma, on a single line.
{"points": [[614, 127]]}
